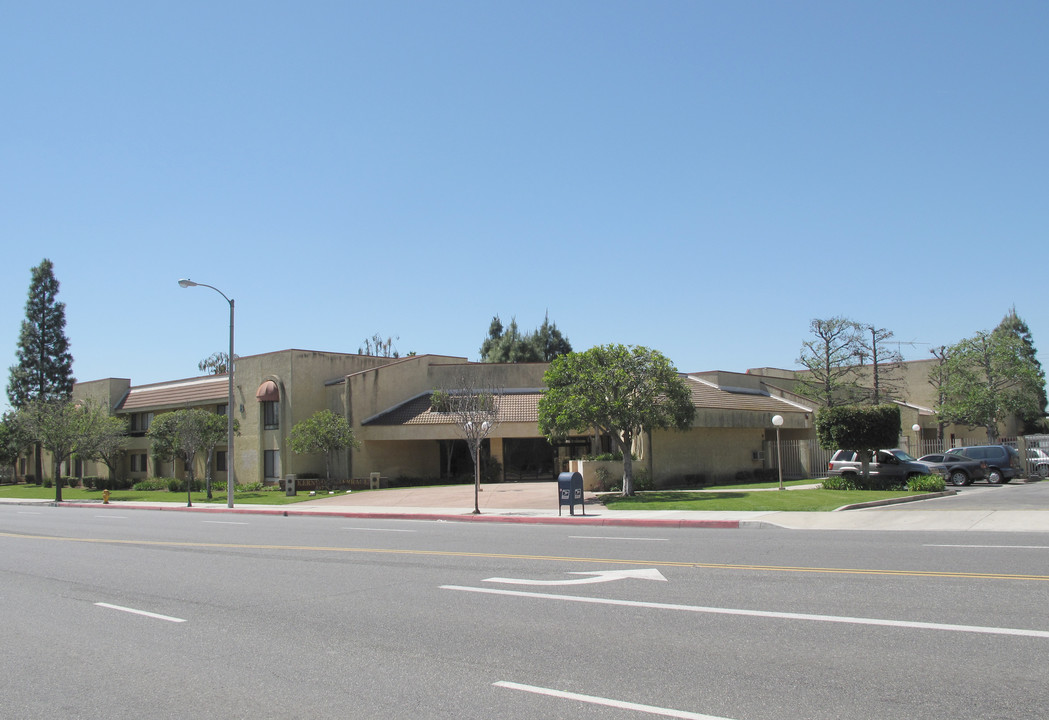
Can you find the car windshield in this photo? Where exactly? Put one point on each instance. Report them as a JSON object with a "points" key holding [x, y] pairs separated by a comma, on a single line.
{"points": [[903, 456]]}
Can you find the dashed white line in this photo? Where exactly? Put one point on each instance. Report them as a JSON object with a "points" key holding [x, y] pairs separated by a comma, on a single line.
{"points": [[996, 547], [223, 522], [133, 611], [650, 709], [604, 537], [378, 529]]}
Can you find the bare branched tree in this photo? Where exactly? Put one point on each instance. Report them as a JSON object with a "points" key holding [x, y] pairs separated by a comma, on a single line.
{"points": [[884, 361], [828, 358], [473, 402]]}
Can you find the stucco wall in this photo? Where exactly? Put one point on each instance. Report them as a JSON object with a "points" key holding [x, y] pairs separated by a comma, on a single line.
{"points": [[717, 454]]}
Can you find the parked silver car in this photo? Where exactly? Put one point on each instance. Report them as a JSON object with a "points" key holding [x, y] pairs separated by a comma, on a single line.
{"points": [[1038, 461], [895, 464]]}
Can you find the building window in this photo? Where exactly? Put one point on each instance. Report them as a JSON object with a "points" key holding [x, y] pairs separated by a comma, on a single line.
{"points": [[138, 462], [271, 415], [272, 464], [140, 422], [220, 461], [221, 409]]}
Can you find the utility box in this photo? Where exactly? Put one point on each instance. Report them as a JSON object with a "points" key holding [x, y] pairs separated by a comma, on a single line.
{"points": [[289, 485], [570, 492], [374, 481]]}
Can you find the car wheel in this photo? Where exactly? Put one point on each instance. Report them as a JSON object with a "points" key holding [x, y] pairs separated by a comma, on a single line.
{"points": [[959, 478], [994, 476], [1043, 471]]}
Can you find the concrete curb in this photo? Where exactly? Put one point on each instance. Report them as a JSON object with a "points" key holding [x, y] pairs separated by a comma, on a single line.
{"points": [[896, 501], [585, 520]]}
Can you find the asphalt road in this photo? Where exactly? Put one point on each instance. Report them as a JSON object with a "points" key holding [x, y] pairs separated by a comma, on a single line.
{"points": [[1010, 496], [271, 617]]}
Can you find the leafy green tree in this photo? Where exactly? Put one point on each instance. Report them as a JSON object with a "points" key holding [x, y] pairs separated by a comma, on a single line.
{"points": [[549, 341], [939, 378], [216, 432], [323, 432], [13, 441], [105, 438], [378, 347], [215, 364], [1012, 324], [510, 345], [183, 434], [621, 391], [828, 358], [61, 427], [864, 430], [45, 366], [990, 379]]}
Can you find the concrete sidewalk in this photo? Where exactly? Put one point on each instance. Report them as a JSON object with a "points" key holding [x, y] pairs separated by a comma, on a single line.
{"points": [[537, 503]]}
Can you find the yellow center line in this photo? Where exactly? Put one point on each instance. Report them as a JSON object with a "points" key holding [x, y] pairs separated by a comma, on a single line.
{"points": [[545, 558]]}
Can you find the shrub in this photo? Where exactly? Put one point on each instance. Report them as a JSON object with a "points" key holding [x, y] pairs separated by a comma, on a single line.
{"points": [[47, 482], [927, 483], [151, 485], [178, 485], [839, 482], [642, 481]]}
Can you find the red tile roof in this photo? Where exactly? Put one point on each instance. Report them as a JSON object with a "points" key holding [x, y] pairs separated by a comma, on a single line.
{"points": [[191, 392]]}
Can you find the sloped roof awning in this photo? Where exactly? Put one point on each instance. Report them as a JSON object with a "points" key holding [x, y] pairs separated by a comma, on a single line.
{"points": [[267, 392]]}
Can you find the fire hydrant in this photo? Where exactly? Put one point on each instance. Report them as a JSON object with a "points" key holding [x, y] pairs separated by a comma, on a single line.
{"points": [[105, 497]]}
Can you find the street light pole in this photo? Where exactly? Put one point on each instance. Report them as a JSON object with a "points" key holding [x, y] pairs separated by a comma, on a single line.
{"points": [[231, 481], [777, 420]]}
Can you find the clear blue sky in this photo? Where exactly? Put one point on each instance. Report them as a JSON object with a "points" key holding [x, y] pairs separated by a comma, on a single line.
{"points": [[703, 178]]}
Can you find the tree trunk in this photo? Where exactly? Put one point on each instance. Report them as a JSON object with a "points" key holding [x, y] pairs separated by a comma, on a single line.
{"points": [[628, 465], [58, 479]]}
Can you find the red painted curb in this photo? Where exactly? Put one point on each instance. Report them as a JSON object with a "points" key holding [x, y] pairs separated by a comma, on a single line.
{"points": [[517, 519]]}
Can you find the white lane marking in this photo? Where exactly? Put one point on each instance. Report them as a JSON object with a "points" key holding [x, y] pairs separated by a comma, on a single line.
{"points": [[141, 612], [762, 613], [112, 517], [996, 547], [599, 576], [650, 709], [223, 522], [601, 537], [378, 529], [26, 512]]}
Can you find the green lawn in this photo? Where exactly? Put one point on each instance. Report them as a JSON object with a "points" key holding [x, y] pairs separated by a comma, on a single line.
{"points": [[36, 492], [788, 500]]}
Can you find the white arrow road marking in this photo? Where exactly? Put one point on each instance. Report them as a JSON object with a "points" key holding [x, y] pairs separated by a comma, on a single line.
{"points": [[599, 576]]}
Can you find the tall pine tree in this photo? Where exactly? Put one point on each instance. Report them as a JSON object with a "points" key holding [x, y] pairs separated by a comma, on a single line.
{"points": [[45, 366], [1012, 324]]}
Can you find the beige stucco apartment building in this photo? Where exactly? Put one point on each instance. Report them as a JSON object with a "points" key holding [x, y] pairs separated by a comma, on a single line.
{"points": [[387, 402]]}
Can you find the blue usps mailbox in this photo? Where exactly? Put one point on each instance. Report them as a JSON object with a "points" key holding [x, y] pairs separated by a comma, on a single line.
{"points": [[570, 492]]}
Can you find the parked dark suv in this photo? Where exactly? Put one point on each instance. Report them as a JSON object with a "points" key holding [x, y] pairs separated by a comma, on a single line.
{"points": [[1003, 462]]}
